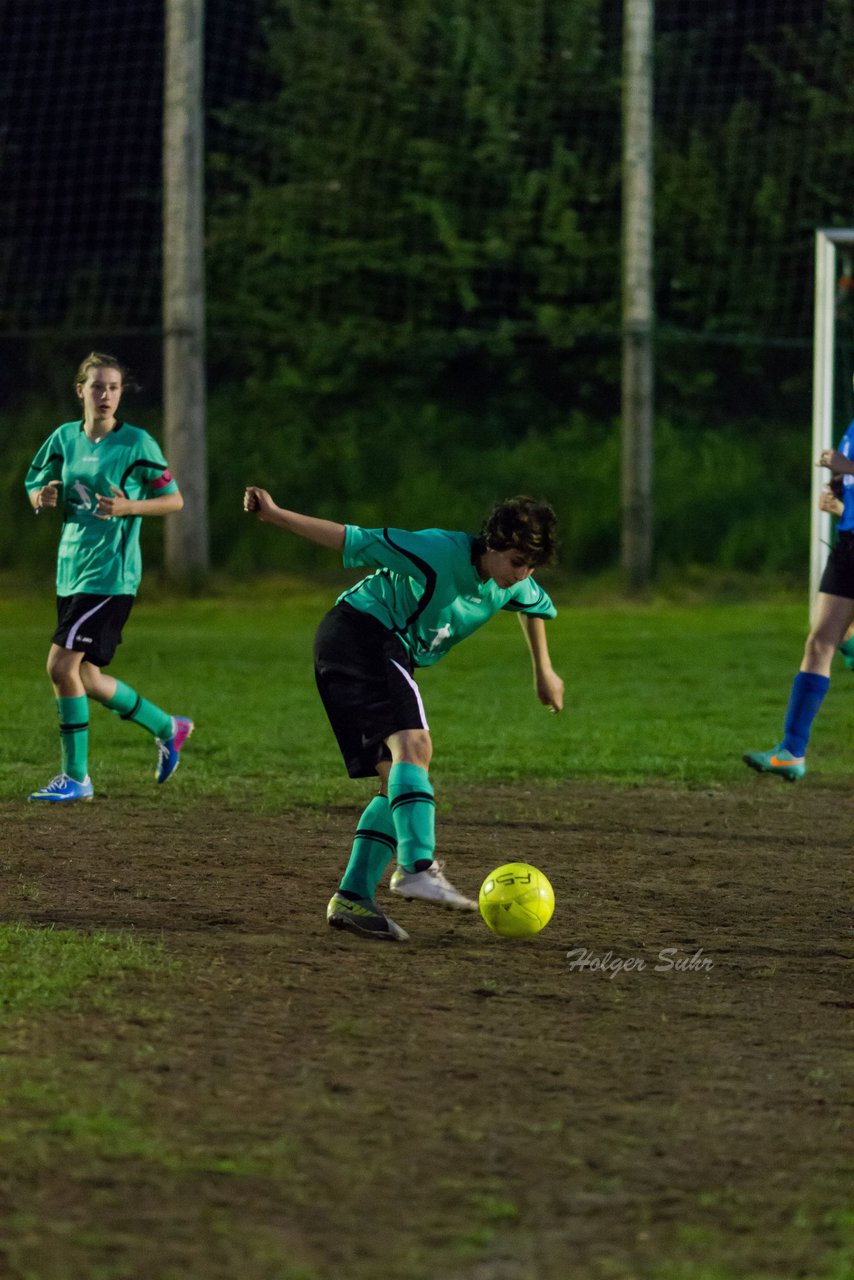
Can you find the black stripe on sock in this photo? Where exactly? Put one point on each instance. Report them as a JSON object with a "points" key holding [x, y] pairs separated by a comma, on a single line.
{"points": [[413, 797], [74, 728], [129, 715], [380, 837]]}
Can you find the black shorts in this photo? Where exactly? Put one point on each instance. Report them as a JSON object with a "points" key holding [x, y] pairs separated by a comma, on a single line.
{"points": [[91, 625], [364, 676], [838, 576]]}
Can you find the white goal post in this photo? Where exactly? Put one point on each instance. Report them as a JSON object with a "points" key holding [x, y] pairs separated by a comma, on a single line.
{"points": [[824, 430]]}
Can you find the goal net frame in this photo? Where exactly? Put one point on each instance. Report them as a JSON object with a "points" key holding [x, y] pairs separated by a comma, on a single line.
{"points": [[824, 429]]}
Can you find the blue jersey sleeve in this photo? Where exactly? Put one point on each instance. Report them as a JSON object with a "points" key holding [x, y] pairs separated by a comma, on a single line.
{"points": [[846, 448]]}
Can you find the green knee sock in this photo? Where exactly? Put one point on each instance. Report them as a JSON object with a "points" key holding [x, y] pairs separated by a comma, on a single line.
{"points": [[130, 705], [412, 809], [373, 847], [74, 736]]}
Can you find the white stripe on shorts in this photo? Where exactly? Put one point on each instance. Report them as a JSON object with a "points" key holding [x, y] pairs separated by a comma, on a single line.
{"points": [[72, 635], [408, 678]]}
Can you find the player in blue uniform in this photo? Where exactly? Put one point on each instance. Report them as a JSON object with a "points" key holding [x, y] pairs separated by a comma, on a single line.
{"points": [[106, 475], [834, 613], [830, 500], [430, 590]]}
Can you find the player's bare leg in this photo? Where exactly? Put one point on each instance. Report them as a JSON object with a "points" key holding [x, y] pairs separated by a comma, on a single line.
{"points": [[832, 619]]}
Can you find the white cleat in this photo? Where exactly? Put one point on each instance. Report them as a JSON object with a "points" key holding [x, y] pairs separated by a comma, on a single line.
{"points": [[430, 886]]}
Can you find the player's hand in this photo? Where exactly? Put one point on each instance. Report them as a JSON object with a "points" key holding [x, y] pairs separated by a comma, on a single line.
{"points": [[48, 496], [259, 502], [831, 458], [116, 505], [549, 688], [828, 501]]}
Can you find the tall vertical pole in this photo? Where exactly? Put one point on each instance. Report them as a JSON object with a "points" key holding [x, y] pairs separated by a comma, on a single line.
{"points": [[187, 546], [637, 295], [822, 399]]}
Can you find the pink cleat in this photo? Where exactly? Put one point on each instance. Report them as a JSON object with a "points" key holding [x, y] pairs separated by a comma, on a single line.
{"points": [[168, 749]]}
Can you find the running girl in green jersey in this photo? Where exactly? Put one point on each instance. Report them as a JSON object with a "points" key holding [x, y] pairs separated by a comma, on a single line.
{"points": [[106, 475], [429, 591]]}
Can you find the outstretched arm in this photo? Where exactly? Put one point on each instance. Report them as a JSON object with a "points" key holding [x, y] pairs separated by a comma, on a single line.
{"points": [[547, 683], [328, 533]]}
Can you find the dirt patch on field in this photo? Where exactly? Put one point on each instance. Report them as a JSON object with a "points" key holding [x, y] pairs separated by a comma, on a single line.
{"points": [[305, 1105]]}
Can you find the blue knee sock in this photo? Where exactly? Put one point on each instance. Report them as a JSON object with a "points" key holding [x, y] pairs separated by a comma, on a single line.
{"points": [[807, 695]]}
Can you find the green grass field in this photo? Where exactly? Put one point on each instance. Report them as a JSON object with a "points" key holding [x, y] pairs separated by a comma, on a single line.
{"points": [[653, 692], [101, 1047]]}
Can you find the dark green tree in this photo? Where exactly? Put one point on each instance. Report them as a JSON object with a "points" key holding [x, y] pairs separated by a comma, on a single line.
{"points": [[424, 179]]}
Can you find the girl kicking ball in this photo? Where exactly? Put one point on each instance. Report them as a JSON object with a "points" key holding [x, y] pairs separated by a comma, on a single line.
{"points": [[429, 590]]}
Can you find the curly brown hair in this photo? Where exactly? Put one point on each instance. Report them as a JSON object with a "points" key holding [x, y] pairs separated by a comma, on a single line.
{"points": [[525, 525]]}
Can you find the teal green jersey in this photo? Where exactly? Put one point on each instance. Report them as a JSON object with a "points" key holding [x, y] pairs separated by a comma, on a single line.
{"points": [[100, 557], [428, 590]]}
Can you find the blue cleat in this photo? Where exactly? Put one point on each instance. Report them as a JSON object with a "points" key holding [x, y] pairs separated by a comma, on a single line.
{"points": [[63, 788], [168, 749], [779, 761]]}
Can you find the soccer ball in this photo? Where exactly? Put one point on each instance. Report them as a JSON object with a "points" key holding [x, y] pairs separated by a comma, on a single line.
{"points": [[516, 900]]}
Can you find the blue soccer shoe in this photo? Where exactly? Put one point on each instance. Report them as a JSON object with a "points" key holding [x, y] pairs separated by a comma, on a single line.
{"points": [[779, 761], [62, 789], [168, 749]]}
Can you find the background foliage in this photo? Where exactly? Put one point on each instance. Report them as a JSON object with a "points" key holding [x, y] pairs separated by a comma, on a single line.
{"points": [[413, 258]]}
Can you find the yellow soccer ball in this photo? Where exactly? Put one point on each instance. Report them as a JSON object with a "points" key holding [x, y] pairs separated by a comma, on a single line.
{"points": [[516, 900]]}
